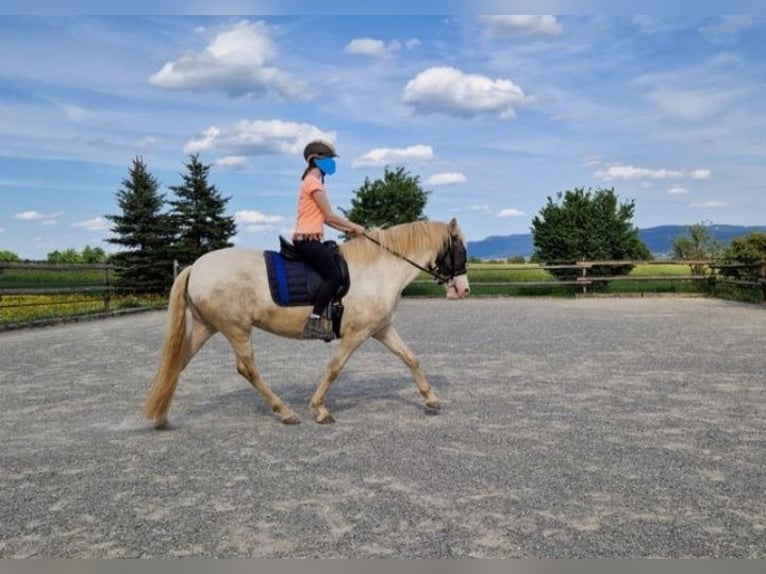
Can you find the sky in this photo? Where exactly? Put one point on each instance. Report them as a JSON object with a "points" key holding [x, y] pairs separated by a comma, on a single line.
{"points": [[493, 114]]}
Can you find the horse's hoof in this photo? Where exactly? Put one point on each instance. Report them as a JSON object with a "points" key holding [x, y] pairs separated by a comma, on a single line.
{"points": [[326, 420], [291, 420], [161, 425], [433, 405]]}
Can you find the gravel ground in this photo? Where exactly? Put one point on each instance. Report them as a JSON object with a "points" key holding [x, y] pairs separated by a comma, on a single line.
{"points": [[583, 428]]}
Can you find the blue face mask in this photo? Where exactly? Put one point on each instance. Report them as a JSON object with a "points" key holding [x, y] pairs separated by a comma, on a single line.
{"points": [[326, 164]]}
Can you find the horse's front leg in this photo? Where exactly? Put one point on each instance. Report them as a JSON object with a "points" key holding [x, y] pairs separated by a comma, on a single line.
{"points": [[393, 342], [348, 344]]}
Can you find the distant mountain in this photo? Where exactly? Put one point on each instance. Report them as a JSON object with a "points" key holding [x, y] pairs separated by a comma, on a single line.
{"points": [[659, 240]]}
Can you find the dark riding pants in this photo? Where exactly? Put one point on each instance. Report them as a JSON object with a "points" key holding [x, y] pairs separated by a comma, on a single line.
{"points": [[322, 259]]}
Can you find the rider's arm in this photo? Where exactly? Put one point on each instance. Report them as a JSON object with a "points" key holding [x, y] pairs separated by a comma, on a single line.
{"points": [[333, 219]]}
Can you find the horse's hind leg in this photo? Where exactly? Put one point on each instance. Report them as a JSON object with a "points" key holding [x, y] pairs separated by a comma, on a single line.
{"points": [[243, 350], [393, 342]]}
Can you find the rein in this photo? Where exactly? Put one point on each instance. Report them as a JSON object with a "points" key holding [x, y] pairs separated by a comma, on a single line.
{"points": [[438, 276]]}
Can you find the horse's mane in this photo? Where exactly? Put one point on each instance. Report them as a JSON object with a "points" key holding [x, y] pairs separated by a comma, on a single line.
{"points": [[402, 239]]}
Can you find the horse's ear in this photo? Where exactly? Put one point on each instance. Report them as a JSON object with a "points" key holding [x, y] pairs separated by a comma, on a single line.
{"points": [[453, 225]]}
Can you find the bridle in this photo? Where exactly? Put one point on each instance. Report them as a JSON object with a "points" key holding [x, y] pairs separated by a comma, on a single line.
{"points": [[442, 270]]}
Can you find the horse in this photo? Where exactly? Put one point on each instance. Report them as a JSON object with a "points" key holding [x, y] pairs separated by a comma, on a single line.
{"points": [[227, 291]]}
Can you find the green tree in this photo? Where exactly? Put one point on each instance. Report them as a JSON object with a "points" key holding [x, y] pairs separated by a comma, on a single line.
{"points": [[9, 256], [397, 198], [144, 232], [586, 225], [749, 255], [70, 255], [697, 244], [198, 214], [93, 255]]}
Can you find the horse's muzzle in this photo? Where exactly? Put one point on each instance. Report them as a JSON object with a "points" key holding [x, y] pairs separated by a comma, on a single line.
{"points": [[458, 287]]}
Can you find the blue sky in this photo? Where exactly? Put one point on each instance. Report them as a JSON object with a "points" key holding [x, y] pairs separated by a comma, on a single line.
{"points": [[492, 113]]}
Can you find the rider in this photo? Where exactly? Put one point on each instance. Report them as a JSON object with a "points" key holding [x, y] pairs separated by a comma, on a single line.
{"points": [[314, 211]]}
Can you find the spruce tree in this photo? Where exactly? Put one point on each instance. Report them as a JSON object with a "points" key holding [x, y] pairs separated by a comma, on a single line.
{"points": [[144, 232], [198, 214]]}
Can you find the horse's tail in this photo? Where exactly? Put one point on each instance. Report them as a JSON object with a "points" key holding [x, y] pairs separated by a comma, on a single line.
{"points": [[172, 356]]}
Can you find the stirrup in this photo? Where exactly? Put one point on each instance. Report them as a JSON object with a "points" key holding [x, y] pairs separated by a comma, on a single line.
{"points": [[318, 328]]}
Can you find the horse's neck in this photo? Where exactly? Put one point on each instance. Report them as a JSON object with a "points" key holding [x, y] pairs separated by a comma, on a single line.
{"points": [[412, 259], [399, 258]]}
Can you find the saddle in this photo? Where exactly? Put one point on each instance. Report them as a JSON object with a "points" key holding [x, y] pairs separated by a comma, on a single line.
{"points": [[293, 282]]}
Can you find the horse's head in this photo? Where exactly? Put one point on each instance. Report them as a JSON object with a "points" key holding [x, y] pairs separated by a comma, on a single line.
{"points": [[451, 263]]}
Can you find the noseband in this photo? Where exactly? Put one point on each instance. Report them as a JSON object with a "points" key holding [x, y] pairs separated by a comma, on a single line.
{"points": [[448, 263]]}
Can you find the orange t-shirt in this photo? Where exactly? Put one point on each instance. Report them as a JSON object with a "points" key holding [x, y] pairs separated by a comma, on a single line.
{"points": [[309, 220]]}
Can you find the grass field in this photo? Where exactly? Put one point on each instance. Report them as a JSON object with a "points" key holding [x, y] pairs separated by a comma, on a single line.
{"points": [[26, 308], [11, 278], [530, 279]]}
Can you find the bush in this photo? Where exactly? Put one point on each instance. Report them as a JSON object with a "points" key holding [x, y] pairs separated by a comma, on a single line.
{"points": [[748, 254], [583, 225]]}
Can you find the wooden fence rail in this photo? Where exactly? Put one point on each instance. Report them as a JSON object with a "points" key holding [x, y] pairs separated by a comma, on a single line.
{"points": [[710, 273], [84, 278], [98, 280], [41, 292]]}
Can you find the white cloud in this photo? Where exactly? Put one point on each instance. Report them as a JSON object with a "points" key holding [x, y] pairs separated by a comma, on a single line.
{"points": [[480, 207], [625, 172], [387, 156], [711, 203], [678, 191], [147, 142], [258, 137], [412, 43], [592, 161], [236, 61], [252, 221], [448, 178], [450, 91], [95, 224], [232, 162], [659, 24], [527, 25], [700, 174], [36, 216], [263, 228], [630, 172], [251, 217], [510, 212], [690, 104], [372, 47], [75, 113]]}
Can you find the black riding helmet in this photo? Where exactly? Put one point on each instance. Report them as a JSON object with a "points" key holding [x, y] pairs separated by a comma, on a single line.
{"points": [[318, 148]]}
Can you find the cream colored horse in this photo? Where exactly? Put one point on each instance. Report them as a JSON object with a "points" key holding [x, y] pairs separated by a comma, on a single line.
{"points": [[227, 290]]}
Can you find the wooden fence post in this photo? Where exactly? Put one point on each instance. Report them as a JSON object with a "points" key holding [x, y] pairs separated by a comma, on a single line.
{"points": [[107, 290], [762, 273]]}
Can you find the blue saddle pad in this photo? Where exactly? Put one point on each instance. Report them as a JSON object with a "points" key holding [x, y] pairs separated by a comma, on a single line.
{"points": [[290, 282]]}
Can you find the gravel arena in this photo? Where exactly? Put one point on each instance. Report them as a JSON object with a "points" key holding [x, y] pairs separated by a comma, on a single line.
{"points": [[570, 428]]}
